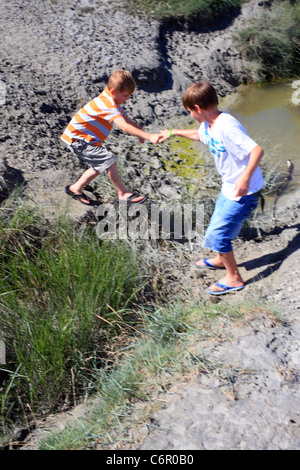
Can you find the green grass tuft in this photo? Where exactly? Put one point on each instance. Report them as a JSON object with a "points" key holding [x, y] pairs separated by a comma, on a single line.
{"points": [[63, 295], [270, 42]]}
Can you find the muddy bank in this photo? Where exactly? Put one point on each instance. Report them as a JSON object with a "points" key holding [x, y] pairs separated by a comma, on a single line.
{"points": [[251, 399], [57, 56]]}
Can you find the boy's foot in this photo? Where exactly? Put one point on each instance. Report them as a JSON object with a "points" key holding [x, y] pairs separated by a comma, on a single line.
{"points": [[218, 289], [131, 199], [83, 198], [207, 263], [224, 286]]}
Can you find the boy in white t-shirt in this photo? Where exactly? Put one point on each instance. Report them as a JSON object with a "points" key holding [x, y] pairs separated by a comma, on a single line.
{"points": [[237, 159]]}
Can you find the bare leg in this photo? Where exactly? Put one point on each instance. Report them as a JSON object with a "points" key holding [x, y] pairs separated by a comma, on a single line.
{"points": [[233, 277], [84, 179], [115, 178]]}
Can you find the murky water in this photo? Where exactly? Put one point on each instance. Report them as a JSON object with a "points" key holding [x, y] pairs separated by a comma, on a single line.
{"points": [[272, 119]]}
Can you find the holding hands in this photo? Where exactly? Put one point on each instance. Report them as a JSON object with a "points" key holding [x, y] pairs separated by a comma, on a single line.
{"points": [[164, 135], [161, 137], [154, 138]]}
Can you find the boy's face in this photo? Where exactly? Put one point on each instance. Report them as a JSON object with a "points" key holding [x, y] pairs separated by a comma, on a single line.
{"points": [[121, 96]]}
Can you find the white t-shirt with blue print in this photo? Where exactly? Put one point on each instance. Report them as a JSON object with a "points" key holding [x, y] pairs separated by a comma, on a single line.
{"points": [[230, 146]]}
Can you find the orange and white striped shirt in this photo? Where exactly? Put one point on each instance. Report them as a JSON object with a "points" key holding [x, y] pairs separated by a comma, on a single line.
{"points": [[93, 122]]}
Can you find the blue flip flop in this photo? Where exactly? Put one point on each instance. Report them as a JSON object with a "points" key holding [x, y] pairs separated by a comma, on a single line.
{"points": [[226, 289], [207, 265]]}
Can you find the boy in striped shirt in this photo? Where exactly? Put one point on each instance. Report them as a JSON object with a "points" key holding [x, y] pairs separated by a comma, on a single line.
{"points": [[89, 128]]}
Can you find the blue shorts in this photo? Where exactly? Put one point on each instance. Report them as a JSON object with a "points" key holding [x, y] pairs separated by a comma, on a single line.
{"points": [[227, 221]]}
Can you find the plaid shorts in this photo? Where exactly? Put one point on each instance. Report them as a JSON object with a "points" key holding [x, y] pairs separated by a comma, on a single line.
{"points": [[95, 156]]}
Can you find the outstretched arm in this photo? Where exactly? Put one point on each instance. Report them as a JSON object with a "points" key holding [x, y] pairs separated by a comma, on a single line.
{"points": [[127, 125], [188, 133]]}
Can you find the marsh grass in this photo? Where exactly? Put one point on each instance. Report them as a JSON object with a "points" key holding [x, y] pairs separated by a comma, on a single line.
{"points": [[270, 42], [63, 296]]}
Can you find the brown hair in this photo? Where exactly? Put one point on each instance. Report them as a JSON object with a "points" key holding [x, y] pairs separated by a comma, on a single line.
{"points": [[201, 93], [121, 80]]}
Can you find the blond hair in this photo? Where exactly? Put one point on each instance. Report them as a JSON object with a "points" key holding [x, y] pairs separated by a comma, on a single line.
{"points": [[121, 80], [200, 93]]}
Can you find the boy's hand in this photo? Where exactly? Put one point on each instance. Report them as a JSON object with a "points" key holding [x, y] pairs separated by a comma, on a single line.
{"points": [[243, 182], [154, 138], [242, 185], [164, 135]]}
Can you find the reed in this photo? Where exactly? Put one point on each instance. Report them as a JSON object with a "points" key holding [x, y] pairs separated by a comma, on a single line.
{"points": [[62, 296]]}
